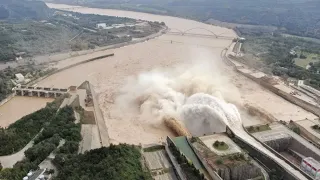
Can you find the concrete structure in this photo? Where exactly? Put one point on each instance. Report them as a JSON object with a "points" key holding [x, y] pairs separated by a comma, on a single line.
{"points": [[19, 78], [101, 26], [209, 141], [37, 175], [39, 91]]}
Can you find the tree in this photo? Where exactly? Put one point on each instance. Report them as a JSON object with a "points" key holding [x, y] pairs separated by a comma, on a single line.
{"points": [[216, 143], [219, 161], [296, 130]]}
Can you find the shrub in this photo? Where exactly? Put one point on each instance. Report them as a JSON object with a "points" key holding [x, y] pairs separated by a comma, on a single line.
{"points": [[219, 161], [216, 143], [222, 143]]}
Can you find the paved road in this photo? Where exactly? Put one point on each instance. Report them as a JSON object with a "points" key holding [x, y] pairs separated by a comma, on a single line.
{"points": [[10, 160]]}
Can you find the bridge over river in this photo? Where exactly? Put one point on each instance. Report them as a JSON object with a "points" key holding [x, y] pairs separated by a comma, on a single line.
{"points": [[207, 33], [39, 91]]}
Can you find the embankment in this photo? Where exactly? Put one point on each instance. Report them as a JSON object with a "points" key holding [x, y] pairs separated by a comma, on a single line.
{"points": [[299, 102], [7, 99]]}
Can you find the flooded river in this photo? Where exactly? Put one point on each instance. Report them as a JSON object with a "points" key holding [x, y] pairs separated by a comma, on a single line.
{"points": [[156, 62], [20, 106], [110, 74]]}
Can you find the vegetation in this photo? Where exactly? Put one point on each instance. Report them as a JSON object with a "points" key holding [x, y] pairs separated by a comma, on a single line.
{"points": [[20, 133], [253, 129], [153, 148], [39, 32], [16, 9], [293, 17], [220, 145], [115, 162], [296, 130], [282, 55], [62, 125], [316, 128], [47, 144], [237, 157], [8, 74], [219, 161], [188, 168], [195, 139]]}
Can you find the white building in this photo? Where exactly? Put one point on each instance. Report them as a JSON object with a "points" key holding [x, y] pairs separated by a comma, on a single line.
{"points": [[101, 26], [19, 78]]}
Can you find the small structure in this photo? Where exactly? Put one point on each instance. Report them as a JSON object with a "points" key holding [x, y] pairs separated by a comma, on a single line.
{"points": [[19, 78], [36, 175], [241, 39], [101, 26], [293, 52]]}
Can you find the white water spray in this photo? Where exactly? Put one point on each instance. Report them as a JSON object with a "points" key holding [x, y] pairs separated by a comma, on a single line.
{"points": [[193, 94], [196, 94]]}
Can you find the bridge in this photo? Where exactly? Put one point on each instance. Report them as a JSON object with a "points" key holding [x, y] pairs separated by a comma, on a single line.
{"points": [[188, 32], [39, 91]]}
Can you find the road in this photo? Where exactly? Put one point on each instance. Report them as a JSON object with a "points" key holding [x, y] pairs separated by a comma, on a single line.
{"points": [[9, 160], [239, 131]]}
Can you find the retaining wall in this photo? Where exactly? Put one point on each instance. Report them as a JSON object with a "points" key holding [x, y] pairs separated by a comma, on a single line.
{"points": [[300, 148], [299, 102], [266, 160], [308, 136]]}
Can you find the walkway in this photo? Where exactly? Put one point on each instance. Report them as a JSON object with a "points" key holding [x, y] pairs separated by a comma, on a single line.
{"points": [[10, 160]]}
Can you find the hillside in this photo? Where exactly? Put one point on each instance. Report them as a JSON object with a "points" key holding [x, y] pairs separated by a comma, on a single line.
{"points": [[298, 17], [23, 9]]}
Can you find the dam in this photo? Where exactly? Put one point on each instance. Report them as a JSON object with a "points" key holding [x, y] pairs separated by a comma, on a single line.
{"points": [[108, 77], [39, 91]]}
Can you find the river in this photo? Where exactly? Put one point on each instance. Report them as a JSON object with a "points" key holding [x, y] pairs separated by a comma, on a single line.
{"points": [[109, 75], [20, 106], [145, 64]]}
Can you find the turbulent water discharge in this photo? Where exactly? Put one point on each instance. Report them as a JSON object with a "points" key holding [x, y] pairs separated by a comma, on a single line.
{"points": [[193, 94]]}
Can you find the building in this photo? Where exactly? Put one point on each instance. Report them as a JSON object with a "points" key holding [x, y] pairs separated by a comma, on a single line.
{"points": [[101, 26], [19, 78], [293, 52]]}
